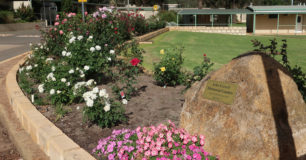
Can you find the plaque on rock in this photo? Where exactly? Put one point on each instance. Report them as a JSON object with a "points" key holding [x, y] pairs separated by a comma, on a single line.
{"points": [[220, 91]]}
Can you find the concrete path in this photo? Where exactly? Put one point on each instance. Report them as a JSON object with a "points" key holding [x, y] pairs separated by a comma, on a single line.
{"points": [[17, 42], [19, 142]]}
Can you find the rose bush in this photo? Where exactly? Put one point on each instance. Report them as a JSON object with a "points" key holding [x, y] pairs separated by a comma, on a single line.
{"points": [[76, 56]]}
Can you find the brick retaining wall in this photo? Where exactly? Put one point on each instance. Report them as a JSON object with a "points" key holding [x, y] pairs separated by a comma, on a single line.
{"points": [[222, 30]]}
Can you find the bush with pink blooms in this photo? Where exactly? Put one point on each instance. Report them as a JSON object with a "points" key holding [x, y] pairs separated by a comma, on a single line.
{"points": [[153, 143], [76, 56]]}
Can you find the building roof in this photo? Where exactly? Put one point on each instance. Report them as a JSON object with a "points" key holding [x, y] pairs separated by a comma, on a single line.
{"points": [[249, 10], [278, 9], [213, 11]]}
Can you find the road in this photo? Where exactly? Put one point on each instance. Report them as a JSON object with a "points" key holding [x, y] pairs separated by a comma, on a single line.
{"points": [[13, 44], [17, 42]]}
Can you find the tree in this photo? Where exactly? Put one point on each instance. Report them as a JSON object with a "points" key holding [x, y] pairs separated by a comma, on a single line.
{"points": [[66, 6]]}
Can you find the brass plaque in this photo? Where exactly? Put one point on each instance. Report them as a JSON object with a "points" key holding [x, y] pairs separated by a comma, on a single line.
{"points": [[220, 91]]}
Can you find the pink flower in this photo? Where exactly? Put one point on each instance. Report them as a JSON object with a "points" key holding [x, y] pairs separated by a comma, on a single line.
{"points": [[56, 23], [86, 13], [147, 153], [154, 152], [55, 29], [170, 145], [148, 139], [103, 16], [61, 32], [194, 139]]}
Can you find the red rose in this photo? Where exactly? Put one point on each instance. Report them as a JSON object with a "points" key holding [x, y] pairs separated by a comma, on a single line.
{"points": [[204, 55], [116, 32], [134, 61], [116, 28]]}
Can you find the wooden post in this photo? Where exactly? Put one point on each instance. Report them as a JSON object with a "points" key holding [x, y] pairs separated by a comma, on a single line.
{"points": [[195, 20]]}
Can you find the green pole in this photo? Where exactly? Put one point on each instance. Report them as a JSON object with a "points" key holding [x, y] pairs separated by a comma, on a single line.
{"points": [[254, 23], [231, 20], [195, 20], [212, 22], [277, 22], [177, 22]]}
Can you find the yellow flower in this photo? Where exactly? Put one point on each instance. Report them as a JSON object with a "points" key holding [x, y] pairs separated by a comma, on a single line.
{"points": [[163, 69], [162, 51], [173, 59]]}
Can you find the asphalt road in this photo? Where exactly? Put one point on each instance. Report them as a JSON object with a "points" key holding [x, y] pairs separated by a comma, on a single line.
{"points": [[17, 42]]}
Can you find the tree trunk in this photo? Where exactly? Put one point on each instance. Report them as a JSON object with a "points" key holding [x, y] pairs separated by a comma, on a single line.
{"points": [[200, 4]]}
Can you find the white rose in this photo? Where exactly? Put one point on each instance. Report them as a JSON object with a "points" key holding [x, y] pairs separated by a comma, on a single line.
{"points": [[71, 71], [80, 37], [98, 48], [52, 91], [124, 101], [92, 49], [41, 88], [111, 51], [109, 59], [89, 103], [29, 67], [58, 91], [95, 90], [68, 84], [102, 92], [86, 68], [106, 107], [68, 54], [53, 68], [63, 80]]}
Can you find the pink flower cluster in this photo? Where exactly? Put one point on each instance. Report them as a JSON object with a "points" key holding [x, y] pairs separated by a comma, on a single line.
{"points": [[160, 143]]}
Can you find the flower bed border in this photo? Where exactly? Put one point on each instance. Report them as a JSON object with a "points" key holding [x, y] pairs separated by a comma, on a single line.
{"points": [[51, 139], [56, 144]]}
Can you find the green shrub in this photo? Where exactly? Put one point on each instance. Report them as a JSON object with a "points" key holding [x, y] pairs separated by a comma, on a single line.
{"points": [[199, 72], [6, 17], [25, 13], [168, 71], [167, 16]]}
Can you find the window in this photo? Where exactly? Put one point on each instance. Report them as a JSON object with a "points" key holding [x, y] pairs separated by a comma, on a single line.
{"points": [[299, 19], [272, 16]]}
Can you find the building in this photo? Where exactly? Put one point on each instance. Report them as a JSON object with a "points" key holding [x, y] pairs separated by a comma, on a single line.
{"points": [[260, 19], [277, 19]]}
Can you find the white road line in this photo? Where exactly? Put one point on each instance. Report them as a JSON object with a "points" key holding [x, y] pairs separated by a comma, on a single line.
{"points": [[28, 36], [5, 35]]}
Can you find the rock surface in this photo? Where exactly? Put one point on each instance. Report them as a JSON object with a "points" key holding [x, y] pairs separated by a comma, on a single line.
{"points": [[267, 119]]}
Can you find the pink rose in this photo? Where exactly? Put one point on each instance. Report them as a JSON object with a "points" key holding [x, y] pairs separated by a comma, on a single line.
{"points": [[61, 32], [56, 23]]}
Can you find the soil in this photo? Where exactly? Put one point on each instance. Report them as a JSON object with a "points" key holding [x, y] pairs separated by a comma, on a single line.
{"points": [[152, 105], [7, 148]]}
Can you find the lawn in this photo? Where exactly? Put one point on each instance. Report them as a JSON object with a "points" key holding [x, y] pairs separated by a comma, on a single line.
{"points": [[220, 48]]}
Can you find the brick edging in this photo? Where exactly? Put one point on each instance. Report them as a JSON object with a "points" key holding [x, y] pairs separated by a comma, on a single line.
{"points": [[56, 144]]}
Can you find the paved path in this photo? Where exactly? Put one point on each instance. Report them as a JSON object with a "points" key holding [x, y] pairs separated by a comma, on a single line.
{"points": [[12, 136], [17, 42]]}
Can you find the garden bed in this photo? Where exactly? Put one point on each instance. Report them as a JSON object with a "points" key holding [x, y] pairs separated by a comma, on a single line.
{"points": [[151, 106]]}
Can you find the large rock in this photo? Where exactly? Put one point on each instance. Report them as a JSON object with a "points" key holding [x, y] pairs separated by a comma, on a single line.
{"points": [[267, 119]]}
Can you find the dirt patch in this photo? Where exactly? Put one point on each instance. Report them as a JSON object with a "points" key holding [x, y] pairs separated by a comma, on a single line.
{"points": [[7, 148], [152, 106]]}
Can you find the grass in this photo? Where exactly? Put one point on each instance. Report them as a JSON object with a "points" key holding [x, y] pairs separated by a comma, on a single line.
{"points": [[220, 48]]}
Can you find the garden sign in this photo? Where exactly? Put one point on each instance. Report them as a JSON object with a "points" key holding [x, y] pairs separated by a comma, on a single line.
{"points": [[220, 91]]}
